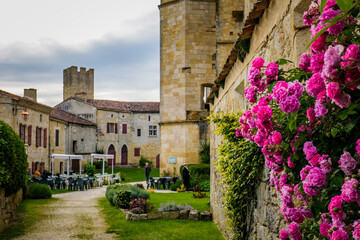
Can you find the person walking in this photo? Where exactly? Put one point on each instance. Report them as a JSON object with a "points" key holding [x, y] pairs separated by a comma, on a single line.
{"points": [[147, 175], [186, 177]]}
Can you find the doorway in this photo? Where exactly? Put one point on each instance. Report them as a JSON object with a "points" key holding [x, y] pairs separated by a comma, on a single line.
{"points": [[124, 155], [111, 151]]}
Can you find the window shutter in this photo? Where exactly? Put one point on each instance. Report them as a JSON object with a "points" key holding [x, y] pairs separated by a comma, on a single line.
{"points": [[33, 167], [107, 127], [45, 137], [29, 135], [37, 136], [20, 127], [136, 152], [124, 129], [116, 128]]}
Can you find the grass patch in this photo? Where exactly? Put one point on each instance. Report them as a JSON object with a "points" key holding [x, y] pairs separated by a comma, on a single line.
{"points": [[162, 229], [132, 174], [29, 212], [200, 204]]}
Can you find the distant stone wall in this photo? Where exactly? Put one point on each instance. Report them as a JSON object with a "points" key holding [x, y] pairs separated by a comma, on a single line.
{"points": [[8, 206]]}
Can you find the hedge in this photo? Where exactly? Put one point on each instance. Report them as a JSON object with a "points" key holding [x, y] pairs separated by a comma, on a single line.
{"points": [[13, 160]]}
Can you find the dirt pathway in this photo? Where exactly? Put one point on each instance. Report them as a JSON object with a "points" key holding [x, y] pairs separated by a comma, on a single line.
{"points": [[74, 216]]}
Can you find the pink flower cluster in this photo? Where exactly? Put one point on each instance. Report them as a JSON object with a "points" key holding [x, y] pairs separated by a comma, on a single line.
{"points": [[347, 163], [288, 95]]}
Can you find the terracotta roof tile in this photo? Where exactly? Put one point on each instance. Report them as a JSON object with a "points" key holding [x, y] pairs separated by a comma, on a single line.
{"points": [[125, 106], [68, 117], [16, 97]]}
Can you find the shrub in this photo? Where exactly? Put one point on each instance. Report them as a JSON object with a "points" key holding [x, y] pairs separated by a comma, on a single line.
{"points": [[205, 186], [136, 192], [90, 169], [140, 204], [171, 206], [122, 199], [99, 163], [37, 191], [137, 210], [144, 160], [205, 153], [176, 185], [13, 160]]}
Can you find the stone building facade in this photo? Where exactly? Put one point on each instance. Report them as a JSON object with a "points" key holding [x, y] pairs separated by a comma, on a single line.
{"points": [[128, 130], [30, 120], [273, 30], [187, 68]]}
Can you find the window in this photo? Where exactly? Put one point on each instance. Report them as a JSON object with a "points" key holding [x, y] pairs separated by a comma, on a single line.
{"points": [[40, 117], [74, 147], [137, 152], [139, 132], [38, 137], [56, 138], [124, 128], [112, 128], [149, 118], [22, 132], [152, 130]]}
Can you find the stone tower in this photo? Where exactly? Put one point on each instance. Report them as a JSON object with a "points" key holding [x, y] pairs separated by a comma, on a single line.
{"points": [[78, 84], [187, 68]]}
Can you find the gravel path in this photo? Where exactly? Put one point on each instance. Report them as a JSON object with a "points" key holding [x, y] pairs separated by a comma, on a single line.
{"points": [[74, 216]]}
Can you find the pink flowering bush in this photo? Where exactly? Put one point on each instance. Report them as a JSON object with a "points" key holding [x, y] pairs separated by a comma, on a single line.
{"points": [[307, 123]]}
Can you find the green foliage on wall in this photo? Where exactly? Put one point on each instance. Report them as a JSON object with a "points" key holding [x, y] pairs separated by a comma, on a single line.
{"points": [[240, 163], [13, 160], [205, 153]]}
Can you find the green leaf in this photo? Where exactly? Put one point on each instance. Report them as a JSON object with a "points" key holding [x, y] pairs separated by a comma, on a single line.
{"points": [[282, 61], [334, 132], [322, 4], [350, 125], [337, 181], [345, 5]]}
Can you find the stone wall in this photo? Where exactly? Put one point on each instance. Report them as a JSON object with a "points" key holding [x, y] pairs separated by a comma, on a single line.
{"points": [[78, 84], [8, 206], [279, 34]]}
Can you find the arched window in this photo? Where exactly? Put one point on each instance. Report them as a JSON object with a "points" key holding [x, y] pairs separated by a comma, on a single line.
{"points": [[111, 150]]}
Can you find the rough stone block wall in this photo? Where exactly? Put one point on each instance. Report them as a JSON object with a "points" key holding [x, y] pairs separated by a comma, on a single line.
{"points": [[78, 84], [8, 206], [279, 34]]}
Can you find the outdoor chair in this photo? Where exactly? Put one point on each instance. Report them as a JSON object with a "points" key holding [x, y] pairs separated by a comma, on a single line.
{"points": [[91, 182], [50, 182], [63, 182], [57, 183], [86, 183], [80, 184], [152, 182], [168, 182], [71, 183], [42, 181]]}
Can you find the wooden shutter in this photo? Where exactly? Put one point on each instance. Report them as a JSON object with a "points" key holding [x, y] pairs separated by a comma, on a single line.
{"points": [[37, 137], [29, 135], [124, 128], [33, 167], [116, 127], [136, 152], [107, 127], [20, 127], [45, 137]]}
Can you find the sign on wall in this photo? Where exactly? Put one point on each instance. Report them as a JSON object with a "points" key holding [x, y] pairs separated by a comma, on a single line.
{"points": [[172, 159]]}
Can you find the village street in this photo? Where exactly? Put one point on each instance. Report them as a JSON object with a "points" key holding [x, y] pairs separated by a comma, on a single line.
{"points": [[74, 216]]}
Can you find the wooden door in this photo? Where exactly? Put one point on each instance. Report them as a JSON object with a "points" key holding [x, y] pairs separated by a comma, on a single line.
{"points": [[75, 165], [158, 161], [111, 161], [124, 155]]}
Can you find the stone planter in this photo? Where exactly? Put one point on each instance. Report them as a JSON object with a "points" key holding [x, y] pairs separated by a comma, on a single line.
{"points": [[137, 217], [154, 215], [194, 215], [171, 215], [184, 214], [205, 216]]}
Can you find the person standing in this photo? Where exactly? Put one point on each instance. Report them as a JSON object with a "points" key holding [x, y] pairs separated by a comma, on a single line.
{"points": [[147, 174], [186, 177]]}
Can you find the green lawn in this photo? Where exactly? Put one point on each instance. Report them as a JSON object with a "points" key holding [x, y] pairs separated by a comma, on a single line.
{"points": [[132, 174], [162, 229], [59, 191], [29, 212], [200, 204]]}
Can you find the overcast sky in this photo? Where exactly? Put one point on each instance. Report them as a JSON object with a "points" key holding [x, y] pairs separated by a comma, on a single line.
{"points": [[119, 39]]}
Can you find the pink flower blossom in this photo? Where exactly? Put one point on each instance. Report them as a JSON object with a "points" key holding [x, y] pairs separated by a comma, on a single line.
{"points": [[276, 138], [347, 163], [290, 164], [316, 177], [264, 113], [311, 14], [290, 104], [325, 163], [357, 148], [309, 190], [315, 85], [306, 212], [315, 160], [356, 232], [349, 191], [328, 14], [335, 204], [283, 178], [272, 70], [331, 61], [297, 236], [320, 109], [304, 62], [284, 235], [317, 62], [339, 234], [311, 114], [258, 62], [293, 227], [295, 89], [352, 53], [319, 43], [333, 90], [343, 101], [280, 91], [250, 94], [309, 150], [254, 76], [329, 4], [293, 214], [324, 229]]}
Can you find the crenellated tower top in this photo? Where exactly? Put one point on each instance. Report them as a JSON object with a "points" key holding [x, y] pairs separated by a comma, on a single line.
{"points": [[78, 83]]}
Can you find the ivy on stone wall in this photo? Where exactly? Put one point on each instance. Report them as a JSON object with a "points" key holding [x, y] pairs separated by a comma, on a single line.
{"points": [[239, 162], [13, 160]]}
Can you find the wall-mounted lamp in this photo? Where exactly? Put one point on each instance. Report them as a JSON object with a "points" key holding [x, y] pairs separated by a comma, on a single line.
{"points": [[25, 114]]}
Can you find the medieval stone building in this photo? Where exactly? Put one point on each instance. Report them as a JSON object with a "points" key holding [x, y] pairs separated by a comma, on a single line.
{"points": [[212, 43], [128, 130]]}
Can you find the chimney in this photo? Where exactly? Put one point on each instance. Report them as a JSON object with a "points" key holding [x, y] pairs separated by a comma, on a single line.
{"points": [[30, 93]]}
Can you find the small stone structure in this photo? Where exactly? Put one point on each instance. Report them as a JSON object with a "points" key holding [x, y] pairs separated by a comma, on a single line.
{"points": [[183, 214], [8, 206]]}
